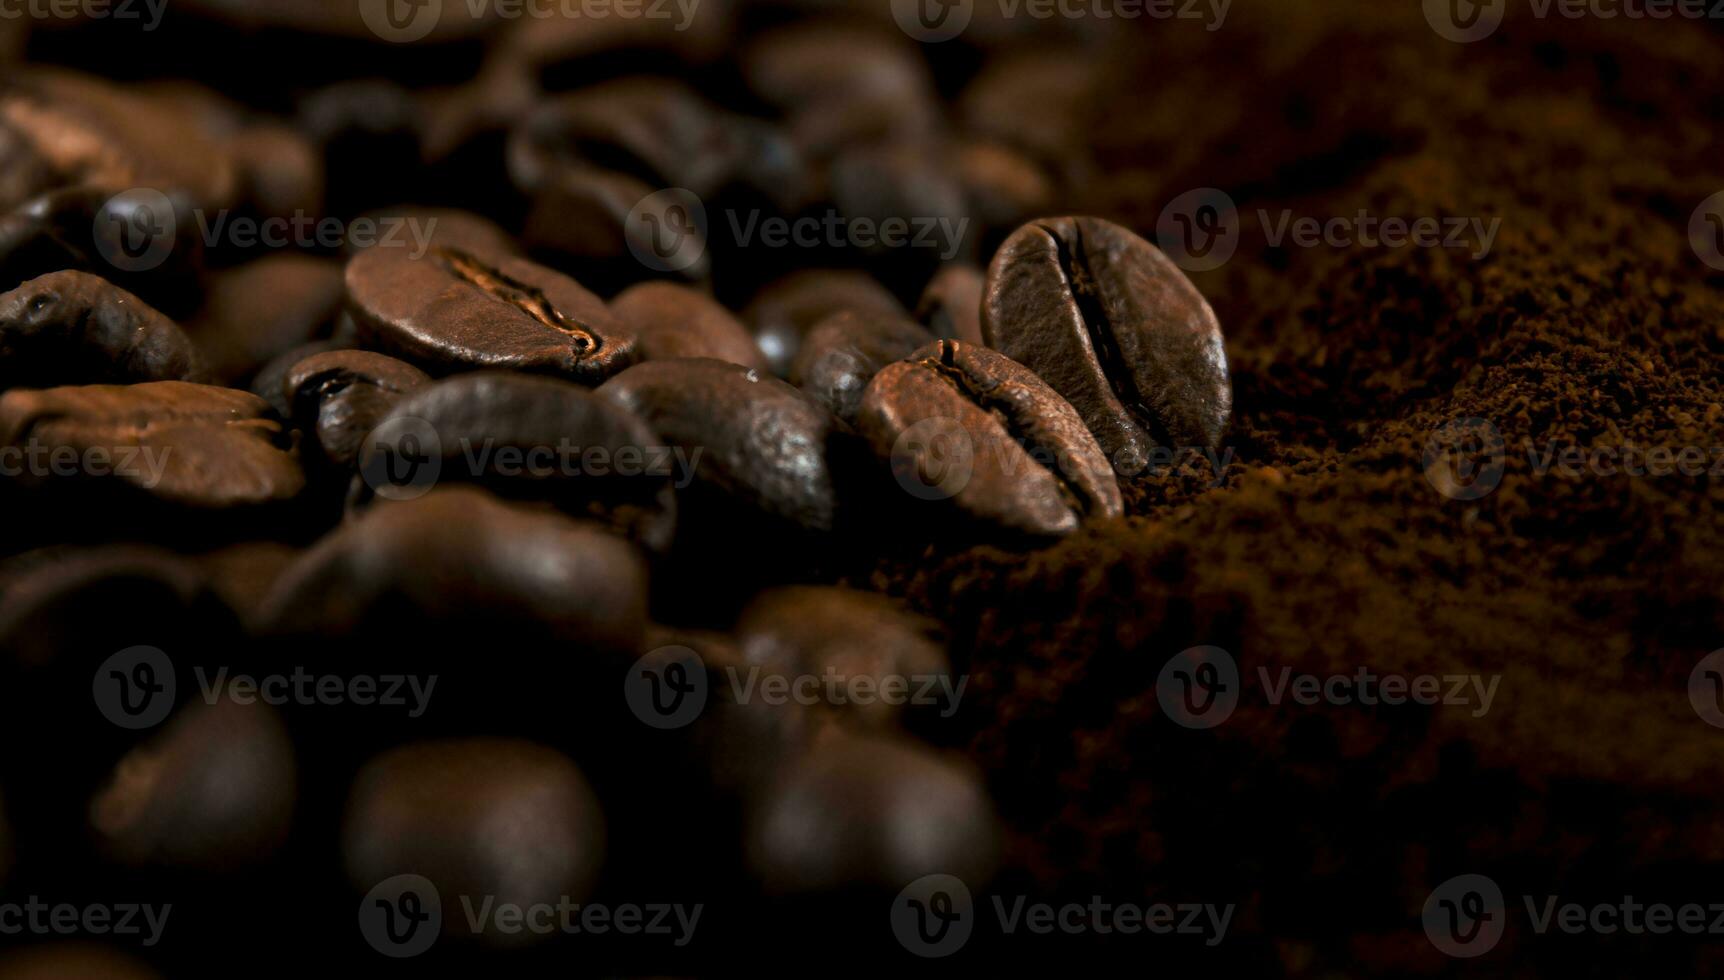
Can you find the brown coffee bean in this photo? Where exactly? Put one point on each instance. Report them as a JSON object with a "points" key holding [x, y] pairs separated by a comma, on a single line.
{"points": [[615, 228], [548, 44], [419, 229], [483, 819], [70, 328], [214, 790], [818, 632], [951, 305], [455, 310], [1114, 326], [843, 353], [262, 309], [80, 227], [268, 383], [782, 313], [676, 321], [341, 396], [281, 172], [970, 426], [908, 185], [1005, 187], [842, 86], [243, 574], [1039, 100]]}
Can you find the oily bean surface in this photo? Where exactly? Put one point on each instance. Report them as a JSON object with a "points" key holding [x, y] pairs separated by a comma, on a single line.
{"points": [[676, 321], [71, 328], [843, 353], [783, 313], [340, 397]]}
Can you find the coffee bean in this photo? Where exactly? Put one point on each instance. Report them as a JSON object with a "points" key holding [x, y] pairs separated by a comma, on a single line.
{"points": [[840, 85], [88, 228], [855, 637], [269, 382], [483, 819], [419, 229], [676, 321], [843, 353], [910, 186], [455, 310], [262, 309], [762, 442], [614, 228], [1038, 100], [281, 172], [341, 396], [1005, 187], [970, 426], [782, 313], [1114, 326], [243, 574], [53, 962], [70, 328], [532, 438], [214, 790], [951, 305], [585, 48]]}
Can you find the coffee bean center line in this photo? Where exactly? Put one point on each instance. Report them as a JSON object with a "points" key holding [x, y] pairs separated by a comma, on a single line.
{"points": [[528, 299]]}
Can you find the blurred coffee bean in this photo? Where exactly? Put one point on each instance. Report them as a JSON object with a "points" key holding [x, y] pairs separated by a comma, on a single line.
{"points": [[970, 426], [613, 229], [340, 397], [281, 172], [1004, 187], [455, 310], [870, 812], [143, 243], [951, 305], [260, 310], [368, 133], [1037, 99], [843, 353], [530, 438], [762, 442], [877, 654], [1113, 325], [907, 191], [70, 328], [676, 321], [782, 313], [459, 117], [61, 960], [213, 791], [485, 820], [419, 229], [841, 85], [243, 574], [340, 18], [579, 49]]}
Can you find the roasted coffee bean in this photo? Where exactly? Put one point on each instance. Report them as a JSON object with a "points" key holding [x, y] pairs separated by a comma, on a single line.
{"points": [[281, 172], [88, 228], [483, 819], [243, 574], [843, 353], [614, 228], [269, 383], [531, 438], [785, 311], [260, 310], [341, 396], [869, 810], [84, 961], [857, 638], [1114, 326], [455, 310], [585, 47], [213, 790], [419, 229], [70, 328], [910, 186], [676, 321], [842, 86], [476, 116], [762, 442], [971, 426], [951, 305], [1038, 100], [1004, 187], [369, 134]]}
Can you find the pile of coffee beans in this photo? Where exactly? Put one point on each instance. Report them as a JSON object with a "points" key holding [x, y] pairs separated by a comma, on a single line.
{"points": [[444, 471]]}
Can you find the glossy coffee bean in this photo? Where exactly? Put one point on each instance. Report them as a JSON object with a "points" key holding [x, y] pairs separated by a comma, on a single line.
{"points": [[70, 328], [339, 397], [212, 790], [535, 439], [877, 652], [676, 321], [260, 310], [483, 819], [1114, 326], [951, 304], [843, 353], [73, 959], [270, 380], [873, 812], [762, 442], [454, 310], [598, 221], [971, 428], [782, 313]]}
